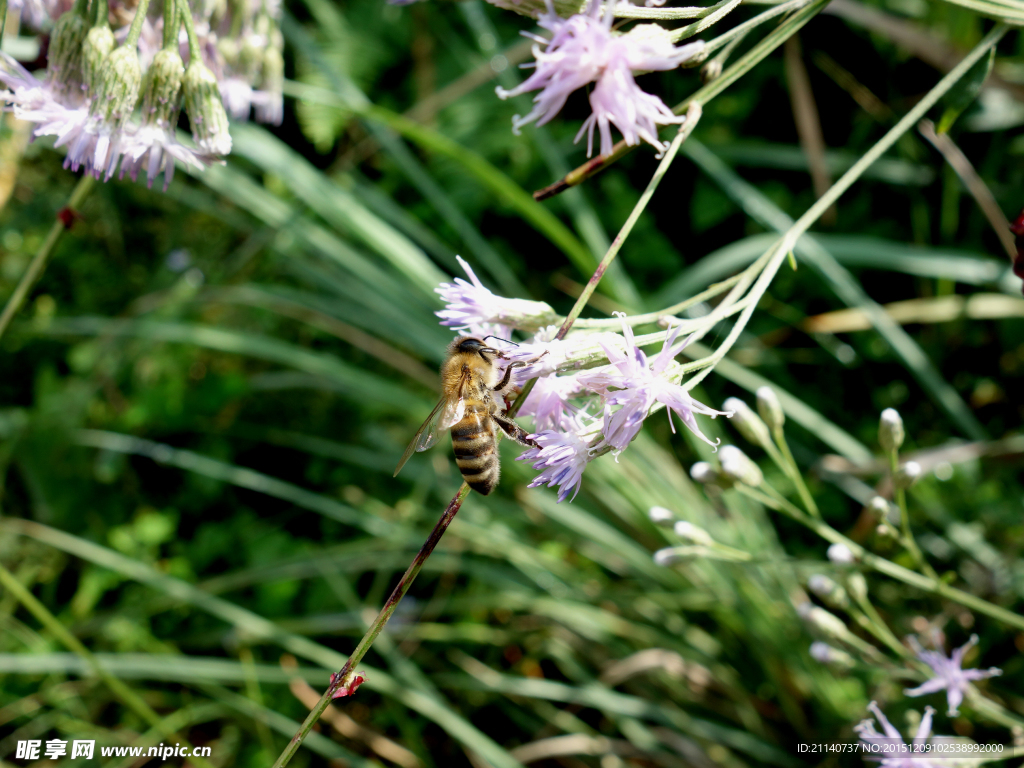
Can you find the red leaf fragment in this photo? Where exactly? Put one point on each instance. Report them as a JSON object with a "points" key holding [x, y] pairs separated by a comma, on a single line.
{"points": [[346, 690]]}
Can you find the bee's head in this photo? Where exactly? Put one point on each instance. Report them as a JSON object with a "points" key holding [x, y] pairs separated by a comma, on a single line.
{"points": [[470, 345]]}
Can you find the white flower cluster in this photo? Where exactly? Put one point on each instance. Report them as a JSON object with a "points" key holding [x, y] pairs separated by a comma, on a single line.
{"points": [[580, 414], [116, 106]]}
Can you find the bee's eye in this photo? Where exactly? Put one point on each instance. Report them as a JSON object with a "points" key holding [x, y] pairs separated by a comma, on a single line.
{"points": [[470, 345]]}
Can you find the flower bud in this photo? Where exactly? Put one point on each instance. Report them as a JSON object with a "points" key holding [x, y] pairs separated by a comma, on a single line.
{"points": [[747, 422], [826, 654], [272, 111], [770, 408], [857, 586], [840, 554], [824, 622], [64, 56], [702, 472], [890, 430], [831, 593], [884, 510], [738, 466], [907, 475], [99, 42], [119, 85], [690, 532], [161, 94], [711, 71], [250, 56], [661, 516], [205, 109], [673, 555]]}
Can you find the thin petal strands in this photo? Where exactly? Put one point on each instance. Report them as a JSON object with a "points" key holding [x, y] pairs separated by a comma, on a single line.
{"points": [[583, 49], [561, 457], [949, 674], [635, 386]]}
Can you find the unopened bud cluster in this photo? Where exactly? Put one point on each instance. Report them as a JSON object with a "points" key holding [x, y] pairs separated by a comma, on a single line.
{"points": [[111, 111]]}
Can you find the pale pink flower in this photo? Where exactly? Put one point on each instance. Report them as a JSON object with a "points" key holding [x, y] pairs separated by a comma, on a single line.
{"points": [[153, 149], [561, 457], [583, 49], [470, 305], [635, 386], [901, 755], [548, 402], [949, 675]]}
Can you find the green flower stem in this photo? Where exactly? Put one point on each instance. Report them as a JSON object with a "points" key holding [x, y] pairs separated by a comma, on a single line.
{"points": [[38, 263], [136, 28], [780, 251], [3, 19], [347, 674], [887, 567], [126, 695], [190, 30], [692, 118], [172, 23], [907, 537], [101, 13], [794, 473]]}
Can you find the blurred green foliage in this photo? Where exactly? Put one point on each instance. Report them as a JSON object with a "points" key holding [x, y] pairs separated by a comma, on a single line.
{"points": [[209, 389]]}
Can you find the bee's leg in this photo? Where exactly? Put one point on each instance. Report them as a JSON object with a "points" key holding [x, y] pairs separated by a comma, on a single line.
{"points": [[503, 384], [514, 431]]}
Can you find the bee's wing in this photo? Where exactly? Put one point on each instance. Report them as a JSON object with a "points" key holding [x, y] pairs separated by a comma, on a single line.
{"points": [[448, 412]]}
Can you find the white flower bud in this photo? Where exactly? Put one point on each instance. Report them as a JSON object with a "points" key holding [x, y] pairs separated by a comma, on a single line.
{"points": [[661, 516], [827, 623], [690, 532], [907, 475], [833, 594], [673, 555], [747, 422], [702, 472], [826, 654], [738, 466], [840, 554], [206, 109], [890, 430], [884, 510], [118, 89], [99, 42], [770, 408]]}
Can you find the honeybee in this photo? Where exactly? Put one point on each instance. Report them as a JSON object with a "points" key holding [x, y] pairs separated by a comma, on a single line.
{"points": [[472, 406]]}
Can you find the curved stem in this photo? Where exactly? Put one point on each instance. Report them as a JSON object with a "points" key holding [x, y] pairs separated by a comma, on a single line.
{"points": [[172, 23], [346, 675], [136, 28], [38, 263], [190, 30]]}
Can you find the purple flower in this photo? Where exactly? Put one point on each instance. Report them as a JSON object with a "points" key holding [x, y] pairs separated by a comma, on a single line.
{"points": [[633, 385], [548, 402], [561, 457], [892, 742], [584, 50], [948, 673], [471, 304], [153, 149]]}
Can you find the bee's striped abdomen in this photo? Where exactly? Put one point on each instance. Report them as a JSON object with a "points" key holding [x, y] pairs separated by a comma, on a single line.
{"points": [[476, 448]]}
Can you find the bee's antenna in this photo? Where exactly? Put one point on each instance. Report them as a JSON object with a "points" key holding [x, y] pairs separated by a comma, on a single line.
{"points": [[508, 341]]}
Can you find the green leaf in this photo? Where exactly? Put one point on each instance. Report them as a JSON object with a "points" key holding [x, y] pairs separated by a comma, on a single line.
{"points": [[965, 92]]}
